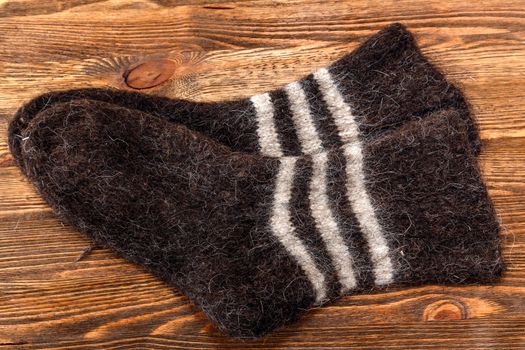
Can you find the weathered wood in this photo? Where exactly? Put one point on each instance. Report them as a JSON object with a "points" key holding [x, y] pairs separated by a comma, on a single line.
{"points": [[224, 50]]}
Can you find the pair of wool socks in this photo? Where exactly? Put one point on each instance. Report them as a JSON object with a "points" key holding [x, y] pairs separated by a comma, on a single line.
{"points": [[361, 175]]}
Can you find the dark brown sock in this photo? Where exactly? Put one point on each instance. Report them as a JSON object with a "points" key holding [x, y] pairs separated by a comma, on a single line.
{"points": [[255, 240], [385, 82]]}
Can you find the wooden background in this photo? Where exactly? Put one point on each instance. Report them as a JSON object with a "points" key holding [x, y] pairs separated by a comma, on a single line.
{"points": [[235, 49]]}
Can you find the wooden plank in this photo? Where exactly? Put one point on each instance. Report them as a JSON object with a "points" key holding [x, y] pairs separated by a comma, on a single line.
{"points": [[224, 50]]}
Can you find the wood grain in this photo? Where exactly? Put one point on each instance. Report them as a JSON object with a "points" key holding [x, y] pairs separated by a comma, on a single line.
{"points": [[224, 50]]}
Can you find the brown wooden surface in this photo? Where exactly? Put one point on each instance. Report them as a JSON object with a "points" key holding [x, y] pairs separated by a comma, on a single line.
{"points": [[235, 49]]}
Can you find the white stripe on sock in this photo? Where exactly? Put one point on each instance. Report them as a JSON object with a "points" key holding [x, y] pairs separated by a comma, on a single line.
{"points": [[321, 212], [364, 212], [355, 184], [284, 230], [341, 112], [266, 130], [327, 226], [302, 118]]}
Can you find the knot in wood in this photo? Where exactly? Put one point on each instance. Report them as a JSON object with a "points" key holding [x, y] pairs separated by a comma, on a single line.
{"points": [[149, 74], [445, 310]]}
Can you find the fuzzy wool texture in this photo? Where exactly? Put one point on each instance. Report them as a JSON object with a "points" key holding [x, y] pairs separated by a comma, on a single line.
{"points": [[198, 215], [360, 175]]}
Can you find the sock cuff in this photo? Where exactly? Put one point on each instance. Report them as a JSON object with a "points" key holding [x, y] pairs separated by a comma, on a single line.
{"points": [[383, 84]]}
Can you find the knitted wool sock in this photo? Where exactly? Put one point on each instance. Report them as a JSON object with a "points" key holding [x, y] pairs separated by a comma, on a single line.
{"points": [[382, 84], [255, 240]]}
